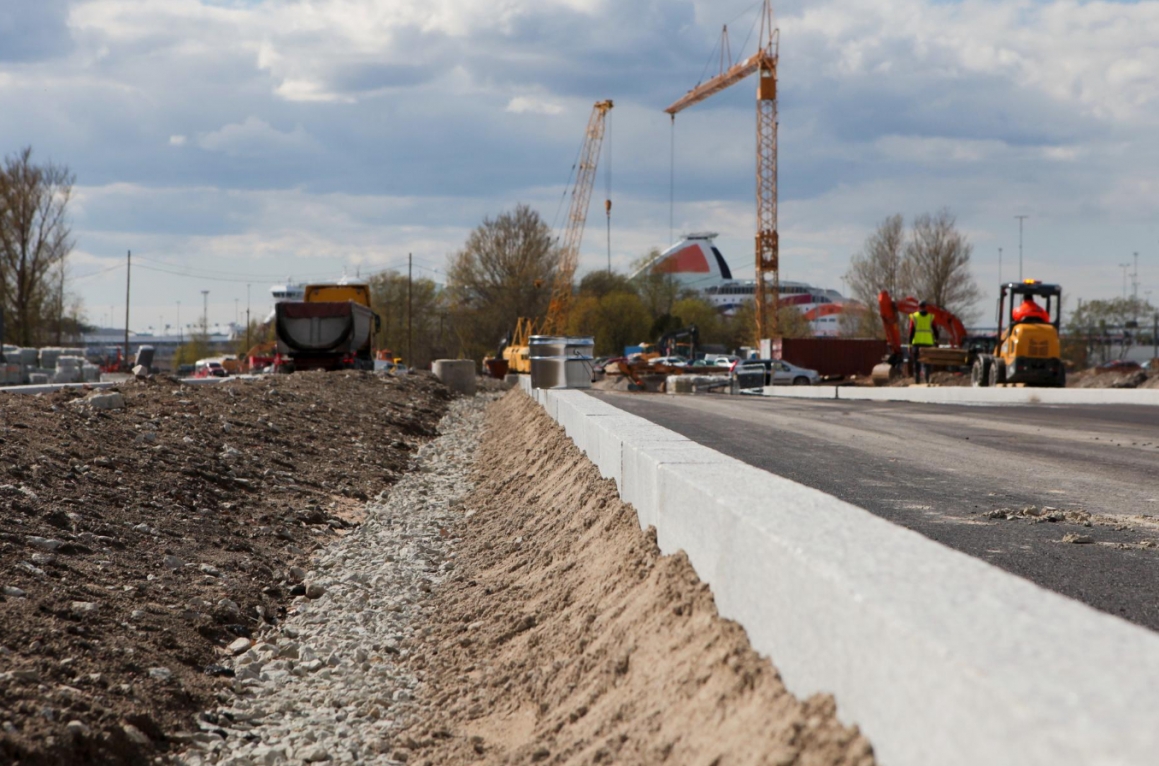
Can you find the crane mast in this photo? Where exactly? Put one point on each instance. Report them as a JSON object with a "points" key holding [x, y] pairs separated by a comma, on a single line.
{"points": [[763, 62], [561, 290]]}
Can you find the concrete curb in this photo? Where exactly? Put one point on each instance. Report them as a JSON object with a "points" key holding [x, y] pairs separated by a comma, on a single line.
{"points": [[970, 395], [939, 657]]}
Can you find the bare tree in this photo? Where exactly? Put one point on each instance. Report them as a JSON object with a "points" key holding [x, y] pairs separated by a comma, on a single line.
{"points": [[881, 265], [503, 272], [35, 240], [937, 260]]}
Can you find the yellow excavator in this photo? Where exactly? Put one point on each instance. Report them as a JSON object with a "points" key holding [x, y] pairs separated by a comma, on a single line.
{"points": [[1028, 351]]}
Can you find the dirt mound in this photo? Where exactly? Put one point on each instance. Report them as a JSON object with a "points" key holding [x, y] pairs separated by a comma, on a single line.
{"points": [[1095, 379], [139, 540], [565, 637]]}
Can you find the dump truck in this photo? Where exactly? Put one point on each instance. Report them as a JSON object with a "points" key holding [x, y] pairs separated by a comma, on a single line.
{"points": [[326, 335]]}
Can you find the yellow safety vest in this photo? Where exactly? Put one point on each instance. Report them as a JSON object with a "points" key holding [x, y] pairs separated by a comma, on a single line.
{"points": [[923, 329]]}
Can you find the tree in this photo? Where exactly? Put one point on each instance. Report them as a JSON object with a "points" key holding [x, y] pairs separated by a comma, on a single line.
{"points": [[1103, 327], [659, 291], [615, 320], [428, 333], [937, 264], [503, 272], [35, 240], [879, 266], [601, 283], [932, 263]]}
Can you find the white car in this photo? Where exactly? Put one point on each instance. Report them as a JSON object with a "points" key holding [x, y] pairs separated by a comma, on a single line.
{"points": [[779, 373], [670, 361]]}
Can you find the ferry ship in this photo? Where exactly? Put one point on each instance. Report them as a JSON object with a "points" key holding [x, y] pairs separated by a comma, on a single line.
{"points": [[698, 265]]}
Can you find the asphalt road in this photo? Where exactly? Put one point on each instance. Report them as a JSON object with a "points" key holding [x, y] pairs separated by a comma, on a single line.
{"points": [[938, 469]]}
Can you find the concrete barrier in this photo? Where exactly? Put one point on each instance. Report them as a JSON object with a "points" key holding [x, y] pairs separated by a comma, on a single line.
{"points": [[938, 656], [971, 395], [456, 374]]}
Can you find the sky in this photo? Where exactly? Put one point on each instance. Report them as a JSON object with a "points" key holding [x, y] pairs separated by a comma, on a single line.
{"points": [[232, 144]]}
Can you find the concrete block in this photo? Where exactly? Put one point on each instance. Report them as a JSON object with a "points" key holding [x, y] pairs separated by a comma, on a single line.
{"points": [[456, 374], [802, 392], [939, 657]]}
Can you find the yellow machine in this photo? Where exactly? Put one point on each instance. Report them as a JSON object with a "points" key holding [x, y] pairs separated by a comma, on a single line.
{"points": [[1028, 349], [516, 352], [340, 292]]}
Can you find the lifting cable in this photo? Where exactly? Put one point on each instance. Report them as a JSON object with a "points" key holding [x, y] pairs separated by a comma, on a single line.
{"points": [[672, 184]]}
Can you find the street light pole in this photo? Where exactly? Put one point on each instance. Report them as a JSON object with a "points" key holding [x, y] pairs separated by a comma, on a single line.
{"points": [[1021, 219], [205, 314], [1124, 267]]}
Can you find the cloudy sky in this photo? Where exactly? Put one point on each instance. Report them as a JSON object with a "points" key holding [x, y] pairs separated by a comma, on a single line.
{"points": [[229, 142]]}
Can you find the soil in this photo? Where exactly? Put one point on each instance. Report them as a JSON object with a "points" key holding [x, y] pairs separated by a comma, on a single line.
{"points": [[564, 637], [1092, 378], [137, 543]]}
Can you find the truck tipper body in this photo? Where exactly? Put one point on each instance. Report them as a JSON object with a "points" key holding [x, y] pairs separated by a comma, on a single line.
{"points": [[329, 335]]}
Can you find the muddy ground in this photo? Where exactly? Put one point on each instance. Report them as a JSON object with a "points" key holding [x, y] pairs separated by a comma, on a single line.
{"points": [[137, 543], [564, 637]]}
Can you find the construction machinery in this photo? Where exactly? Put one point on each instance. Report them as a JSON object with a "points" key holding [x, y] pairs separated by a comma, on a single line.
{"points": [[951, 332], [763, 62], [515, 351], [1028, 349], [331, 328]]}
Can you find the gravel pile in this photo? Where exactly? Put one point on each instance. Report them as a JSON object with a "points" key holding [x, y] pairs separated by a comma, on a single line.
{"points": [[330, 683]]}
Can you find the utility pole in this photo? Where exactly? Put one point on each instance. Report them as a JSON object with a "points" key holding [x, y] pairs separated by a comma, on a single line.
{"points": [[205, 314], [128, 272], [180, 329], [410, 360], [1021, 219], [247, 321], [1135, 290]]}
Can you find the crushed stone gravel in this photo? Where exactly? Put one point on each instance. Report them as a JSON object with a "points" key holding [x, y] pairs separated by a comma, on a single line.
{"points": [[332, 683]]}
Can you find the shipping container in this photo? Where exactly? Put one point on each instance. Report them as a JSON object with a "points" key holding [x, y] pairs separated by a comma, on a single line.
{"points": [[833, 358]]}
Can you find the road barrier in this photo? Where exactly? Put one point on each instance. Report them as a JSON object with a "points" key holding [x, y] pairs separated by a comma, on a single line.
{"points": [[939, 657], [971, 395]]}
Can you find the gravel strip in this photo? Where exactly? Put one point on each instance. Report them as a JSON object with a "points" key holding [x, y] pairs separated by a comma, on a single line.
{"points": [[328, 685]]}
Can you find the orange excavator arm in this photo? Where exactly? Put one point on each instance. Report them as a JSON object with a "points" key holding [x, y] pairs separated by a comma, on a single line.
{"points": [[950, 328]]}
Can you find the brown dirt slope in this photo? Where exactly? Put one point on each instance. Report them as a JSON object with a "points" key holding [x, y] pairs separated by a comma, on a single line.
{"points": [[565, 637], [136, 542]]}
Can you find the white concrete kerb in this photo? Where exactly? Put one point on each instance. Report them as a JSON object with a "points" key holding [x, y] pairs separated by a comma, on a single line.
{"points": [[939, 657]]}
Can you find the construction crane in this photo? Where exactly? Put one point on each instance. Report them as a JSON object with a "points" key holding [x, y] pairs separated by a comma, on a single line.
{"points": [[560, 306], [517, 352], [764, 62]]}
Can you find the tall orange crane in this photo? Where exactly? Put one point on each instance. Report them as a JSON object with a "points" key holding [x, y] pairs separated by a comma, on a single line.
{"points": [[581, 194], [764, 62], [517, 352]]}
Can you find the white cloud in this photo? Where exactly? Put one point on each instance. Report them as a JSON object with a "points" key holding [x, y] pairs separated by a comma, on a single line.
{"points": [[532, 105], [178, 140], [255, 137]]}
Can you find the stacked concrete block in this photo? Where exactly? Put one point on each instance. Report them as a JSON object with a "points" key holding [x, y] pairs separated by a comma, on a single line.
{"points": [[48, 357]]}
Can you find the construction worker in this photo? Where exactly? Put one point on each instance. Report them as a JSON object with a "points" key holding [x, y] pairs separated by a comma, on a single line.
{"points": [[1030, 311], [922, 334]]}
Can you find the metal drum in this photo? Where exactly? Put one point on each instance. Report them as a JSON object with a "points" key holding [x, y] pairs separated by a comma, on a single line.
{"points": [[578, 372], [548, 372], [546, 346], [580, 347]]}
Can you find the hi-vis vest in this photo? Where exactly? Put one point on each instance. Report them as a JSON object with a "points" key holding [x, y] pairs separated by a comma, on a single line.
{"points": [[923, 329]]}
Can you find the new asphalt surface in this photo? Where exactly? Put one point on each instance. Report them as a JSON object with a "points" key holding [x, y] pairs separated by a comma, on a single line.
{"points": [[939, 469]]}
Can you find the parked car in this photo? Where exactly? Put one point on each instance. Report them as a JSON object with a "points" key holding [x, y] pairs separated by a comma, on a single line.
{"points": [[718, 360], [1119, 365], [779, 373], [184, 370], [209, 368], [672, 361]]}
